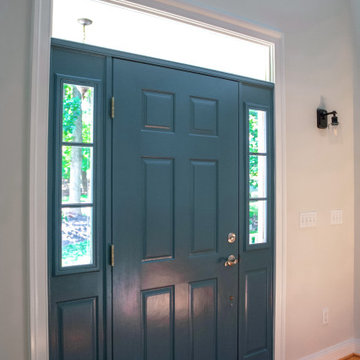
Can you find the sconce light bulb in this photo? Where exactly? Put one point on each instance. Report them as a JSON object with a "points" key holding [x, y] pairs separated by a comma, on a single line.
{"points": [[334, 121]]}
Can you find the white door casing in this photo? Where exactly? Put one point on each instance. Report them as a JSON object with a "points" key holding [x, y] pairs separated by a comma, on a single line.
{"points": [[40, 65]]}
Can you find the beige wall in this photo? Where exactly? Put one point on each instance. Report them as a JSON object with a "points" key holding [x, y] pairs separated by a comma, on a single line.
{"points": [[320, 171], [15, 28]]}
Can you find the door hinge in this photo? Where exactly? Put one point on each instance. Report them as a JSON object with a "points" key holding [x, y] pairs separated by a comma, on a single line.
{"points": [[113, 108], [112, 255]]}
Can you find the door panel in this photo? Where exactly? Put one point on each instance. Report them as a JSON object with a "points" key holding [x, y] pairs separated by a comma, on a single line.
{"points": [[78, 317], [175, 199], [159, 215], [203, 319], [158, 308], [75, 241], [256, 265]]}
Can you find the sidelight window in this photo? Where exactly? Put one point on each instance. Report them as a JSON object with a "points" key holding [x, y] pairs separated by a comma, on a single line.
{"points": [[77, 240], [257, 165]]}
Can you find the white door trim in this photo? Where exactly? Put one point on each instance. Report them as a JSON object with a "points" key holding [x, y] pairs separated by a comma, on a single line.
{"points": [[38, 279], [39, 148]]}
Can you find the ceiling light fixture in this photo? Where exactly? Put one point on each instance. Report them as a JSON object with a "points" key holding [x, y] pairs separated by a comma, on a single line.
{"points": [[84, 22]]}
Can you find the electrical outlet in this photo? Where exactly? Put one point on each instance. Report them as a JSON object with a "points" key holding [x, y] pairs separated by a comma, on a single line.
{"points": [[325, 316], [308, 219], [336, 217]]}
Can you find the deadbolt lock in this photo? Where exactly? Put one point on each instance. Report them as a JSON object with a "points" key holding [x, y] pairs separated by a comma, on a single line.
{"points": [[231, 238]]}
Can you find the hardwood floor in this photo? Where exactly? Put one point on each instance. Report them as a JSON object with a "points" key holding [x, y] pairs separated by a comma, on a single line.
{"points": [[351, 357]]}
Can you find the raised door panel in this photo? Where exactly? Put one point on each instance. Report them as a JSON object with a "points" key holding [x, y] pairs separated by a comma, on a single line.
{"points": [[78, 329], [204, 116], [256, 288], [158, 177], [204, 206], [158, 324], [203, 319], [158, 110]]}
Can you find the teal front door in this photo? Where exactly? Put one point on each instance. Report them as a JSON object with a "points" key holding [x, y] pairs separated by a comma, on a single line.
{"points": [[175, 167], [183, 192]]}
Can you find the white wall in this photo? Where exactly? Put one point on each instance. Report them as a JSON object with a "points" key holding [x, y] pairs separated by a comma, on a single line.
{"points": [[355, 6], [320, 171], [15, 28]]}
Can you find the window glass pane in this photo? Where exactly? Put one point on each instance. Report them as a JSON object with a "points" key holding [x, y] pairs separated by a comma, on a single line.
{"points": [[161, 37], [76, 236], [257, 176], [78, 113], [257, 222], [257, 131], [77, 176]]}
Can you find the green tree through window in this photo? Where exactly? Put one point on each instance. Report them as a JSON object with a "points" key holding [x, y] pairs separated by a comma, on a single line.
{"points": [[77, 138]]}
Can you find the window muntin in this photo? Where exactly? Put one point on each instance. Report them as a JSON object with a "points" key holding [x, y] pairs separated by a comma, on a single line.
{"points": [[77, 237]]}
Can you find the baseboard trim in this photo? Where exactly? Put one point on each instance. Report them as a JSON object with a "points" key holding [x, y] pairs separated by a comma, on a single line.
{"points": [[339, 351]]}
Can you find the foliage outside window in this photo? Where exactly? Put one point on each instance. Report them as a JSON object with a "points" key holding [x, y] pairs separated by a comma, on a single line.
{"points": [[257, 161], [77, 175]]}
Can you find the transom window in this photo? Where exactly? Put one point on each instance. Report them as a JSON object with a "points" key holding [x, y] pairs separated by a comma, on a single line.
{"points": [[163, 36]]}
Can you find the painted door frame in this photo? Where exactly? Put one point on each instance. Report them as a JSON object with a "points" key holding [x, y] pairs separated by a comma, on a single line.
{"points": [[40, 65]]}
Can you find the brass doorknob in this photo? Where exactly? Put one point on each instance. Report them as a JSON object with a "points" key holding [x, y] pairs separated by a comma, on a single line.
{"points": [[231, 260]]}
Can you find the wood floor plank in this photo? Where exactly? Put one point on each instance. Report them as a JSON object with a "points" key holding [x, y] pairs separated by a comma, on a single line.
{"points": [[351, 357]]}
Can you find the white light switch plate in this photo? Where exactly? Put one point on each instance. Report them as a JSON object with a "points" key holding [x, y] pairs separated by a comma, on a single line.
{"points": [[308, 219], [336, 217]]}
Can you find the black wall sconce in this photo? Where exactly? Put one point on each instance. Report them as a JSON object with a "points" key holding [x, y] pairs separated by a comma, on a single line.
{"points": [[322, 120]]}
